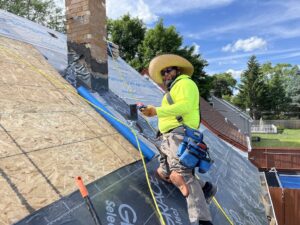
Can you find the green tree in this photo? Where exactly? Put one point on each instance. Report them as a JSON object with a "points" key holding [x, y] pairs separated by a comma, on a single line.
{"points": [[128, 33], [157, 41], [139, 46], [238, 101], [252, 89], [44, 12], [223, 84], [161, 40], [277, 100], [293, 89]]}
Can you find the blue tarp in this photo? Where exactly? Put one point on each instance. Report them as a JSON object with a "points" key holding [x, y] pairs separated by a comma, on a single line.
{"points": [[290, 181]]}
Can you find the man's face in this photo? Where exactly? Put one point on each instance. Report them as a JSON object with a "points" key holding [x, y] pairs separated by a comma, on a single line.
{"points": [[168, 73]]}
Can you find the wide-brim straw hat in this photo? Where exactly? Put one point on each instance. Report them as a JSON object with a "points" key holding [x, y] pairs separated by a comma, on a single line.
{"points": [[161, 62]]}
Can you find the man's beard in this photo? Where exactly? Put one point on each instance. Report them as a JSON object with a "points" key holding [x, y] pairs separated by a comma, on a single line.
{"points": [[168, 83]]}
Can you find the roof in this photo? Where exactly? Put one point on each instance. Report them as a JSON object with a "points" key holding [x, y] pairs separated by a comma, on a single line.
{"points": [[214, 121], [232, 172], [48, 134], [126, 188], [233, 108]]}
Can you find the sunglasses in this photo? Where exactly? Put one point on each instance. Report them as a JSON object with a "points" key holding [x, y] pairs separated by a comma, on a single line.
{"points": [[167, 70]]}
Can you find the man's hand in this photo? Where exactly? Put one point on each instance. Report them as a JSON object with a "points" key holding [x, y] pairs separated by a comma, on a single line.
{"points": [[149, 111]]}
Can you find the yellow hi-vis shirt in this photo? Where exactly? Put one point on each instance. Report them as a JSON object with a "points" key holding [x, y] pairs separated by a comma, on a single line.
{"points": [[185, 95]]}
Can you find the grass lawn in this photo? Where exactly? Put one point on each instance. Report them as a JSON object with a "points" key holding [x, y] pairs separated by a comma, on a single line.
{"points": [[289, 138]]}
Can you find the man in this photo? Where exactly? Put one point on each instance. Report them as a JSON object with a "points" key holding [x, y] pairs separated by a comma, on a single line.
{"points": [[174, 73]]}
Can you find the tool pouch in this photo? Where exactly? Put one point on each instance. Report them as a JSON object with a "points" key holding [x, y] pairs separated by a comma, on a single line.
{"points": [[193, 152]]}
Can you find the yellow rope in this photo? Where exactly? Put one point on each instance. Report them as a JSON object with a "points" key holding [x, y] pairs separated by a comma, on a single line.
{"points": [[214, 199], [59, 83], [222, 210], [220, 207], [138, 143]]}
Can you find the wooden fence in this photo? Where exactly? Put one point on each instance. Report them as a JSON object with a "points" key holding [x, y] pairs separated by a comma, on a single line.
{"points": [[283, 159], [286, 204]]}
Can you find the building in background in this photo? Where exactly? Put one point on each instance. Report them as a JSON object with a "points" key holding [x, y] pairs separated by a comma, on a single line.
{"points": [[236, 116]]}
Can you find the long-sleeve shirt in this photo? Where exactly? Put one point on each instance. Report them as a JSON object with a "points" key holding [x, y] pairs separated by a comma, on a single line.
{"points": [[185, 95]]}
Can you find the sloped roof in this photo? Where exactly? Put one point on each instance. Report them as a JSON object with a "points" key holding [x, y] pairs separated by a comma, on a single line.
{"points": [[48, 135], [233, 108], [239, 187], [236, 178], [214, 121]]}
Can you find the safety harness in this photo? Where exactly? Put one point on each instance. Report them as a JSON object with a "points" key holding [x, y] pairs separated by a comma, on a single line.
{"points": [[192, 151]]}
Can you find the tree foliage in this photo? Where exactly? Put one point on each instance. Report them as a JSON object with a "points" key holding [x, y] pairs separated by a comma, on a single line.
{"points": [[138, 46], [293, 86], [158, 40], [223, 84], [252, 89], [44, 12], [128, 33], [276, 78]]}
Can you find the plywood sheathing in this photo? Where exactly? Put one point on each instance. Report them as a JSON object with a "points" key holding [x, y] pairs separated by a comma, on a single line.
{"points": [[48, 135]]}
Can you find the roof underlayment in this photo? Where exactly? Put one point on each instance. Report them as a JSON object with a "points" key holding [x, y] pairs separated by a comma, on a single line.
{"points": [[49, 136]]}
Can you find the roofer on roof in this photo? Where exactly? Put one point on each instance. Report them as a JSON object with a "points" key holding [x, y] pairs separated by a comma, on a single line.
{"points": [[174, 73]]}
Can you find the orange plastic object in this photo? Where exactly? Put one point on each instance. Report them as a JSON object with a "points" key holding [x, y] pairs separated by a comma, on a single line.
{"points": [[84, 192]]}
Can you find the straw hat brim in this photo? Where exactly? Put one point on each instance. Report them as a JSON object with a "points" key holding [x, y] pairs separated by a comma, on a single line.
{"points": [[161, 62]]}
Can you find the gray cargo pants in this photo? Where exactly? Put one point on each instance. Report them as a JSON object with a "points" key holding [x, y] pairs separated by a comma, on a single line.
{"points": [[196, 203]]}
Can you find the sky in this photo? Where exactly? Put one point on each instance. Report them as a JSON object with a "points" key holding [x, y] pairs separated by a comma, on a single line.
{"points": [[225, 32]]}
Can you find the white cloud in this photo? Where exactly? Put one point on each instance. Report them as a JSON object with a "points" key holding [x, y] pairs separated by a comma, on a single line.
{"points": [[197, 48], [148, 12], [179, 6], [247, 55], [116, 9], [282, 12], [226, 62], [283, 32], [246, 45], [286, 56], [235, 73]]}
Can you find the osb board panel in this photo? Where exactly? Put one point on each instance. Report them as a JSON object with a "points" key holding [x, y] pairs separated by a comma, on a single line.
{"points": [[123, 148], [19, 107], [90, 159], [27, 182], [60, 133], [38, 131], [18, 73], [25, 54], [33, 94], [72, 96], [95, 122], [7, 146], [51, 173], [10, 203]]}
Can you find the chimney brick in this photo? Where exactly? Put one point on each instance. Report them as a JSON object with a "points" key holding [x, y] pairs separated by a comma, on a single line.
{"points": [[86, 32]]}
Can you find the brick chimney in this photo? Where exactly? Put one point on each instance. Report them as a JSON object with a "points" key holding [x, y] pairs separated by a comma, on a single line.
{"points": [[86, 32]]}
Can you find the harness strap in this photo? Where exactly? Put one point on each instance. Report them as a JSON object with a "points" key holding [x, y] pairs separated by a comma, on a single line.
{"points": [[171, 102]]}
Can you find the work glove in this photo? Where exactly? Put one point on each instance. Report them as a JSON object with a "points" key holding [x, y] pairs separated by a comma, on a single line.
{"points": [[149, 111]]}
